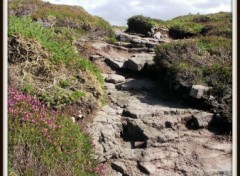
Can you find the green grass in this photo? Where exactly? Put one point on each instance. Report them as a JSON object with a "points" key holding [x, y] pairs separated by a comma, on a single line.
{"points": [[219, 77], [61, 54], [213, 43], [74, 18], [218, 24]]}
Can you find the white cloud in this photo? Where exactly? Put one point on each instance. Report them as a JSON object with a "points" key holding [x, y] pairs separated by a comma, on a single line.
{"points": [[118, 11]]}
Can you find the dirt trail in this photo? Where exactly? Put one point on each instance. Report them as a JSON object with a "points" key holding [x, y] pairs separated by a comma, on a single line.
{"points": [[139, 134]]}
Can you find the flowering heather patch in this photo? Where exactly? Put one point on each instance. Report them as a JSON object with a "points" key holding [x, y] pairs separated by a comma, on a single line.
{"points": [[42, 140], [29, 109]]}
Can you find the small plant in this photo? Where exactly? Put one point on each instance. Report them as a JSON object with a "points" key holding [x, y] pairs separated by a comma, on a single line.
{"points": [[28, 89], [63, 83]]}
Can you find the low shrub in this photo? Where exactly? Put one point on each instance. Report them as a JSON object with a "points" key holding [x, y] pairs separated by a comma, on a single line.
{"points": [[44, 141], [140, 24]]}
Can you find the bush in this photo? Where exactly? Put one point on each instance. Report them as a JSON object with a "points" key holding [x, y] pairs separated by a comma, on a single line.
{"points": [[204, 61], [139, 24]]}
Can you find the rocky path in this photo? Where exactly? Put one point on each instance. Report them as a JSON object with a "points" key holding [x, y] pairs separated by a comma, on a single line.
{"points": [[138, 134]]}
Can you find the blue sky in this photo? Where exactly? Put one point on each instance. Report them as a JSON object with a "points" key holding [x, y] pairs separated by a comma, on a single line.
{"points": [[118, 11]]}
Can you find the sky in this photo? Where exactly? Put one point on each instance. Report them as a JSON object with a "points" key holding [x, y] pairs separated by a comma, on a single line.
{"points": [[118, 11]]}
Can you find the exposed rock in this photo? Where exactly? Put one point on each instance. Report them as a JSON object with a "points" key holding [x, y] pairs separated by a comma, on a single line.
{"points": [[120, 48], [139, 134], [119, 166], [139, 144], [99, 45], [142, 49], [121, 36], [73, 119], [135, 85], [115, 62], [139, 41], [202, 119], [157, 35], [113, 78], [148, 167], [122, 102], [135, 113], [137, 62], [107, 133], [104, 76], [95, 57], [220, 147], [198, 91]]}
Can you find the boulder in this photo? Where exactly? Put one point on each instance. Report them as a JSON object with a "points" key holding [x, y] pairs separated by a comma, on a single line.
{"points": [[124, 37], [202, 119], [137, 62], [115, 62], [99, 45], [157, 35], [197, 91], [113, 78]]}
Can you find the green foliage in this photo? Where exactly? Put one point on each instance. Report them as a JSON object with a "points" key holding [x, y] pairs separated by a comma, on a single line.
{"points": [[179, 29], [205, 61], [218, 77], [213, 43], [71, 17], [140, 24], [218, 24], [61, 97], [45, 141], [63, 83], [112, 39], [28, 89]]}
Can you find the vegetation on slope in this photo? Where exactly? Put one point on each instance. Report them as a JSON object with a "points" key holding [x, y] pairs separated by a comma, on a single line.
{"points": [[48, 76], [45, 142], [73, 20], [198, 62], [37, 56], [140, 24], [219, 24]]}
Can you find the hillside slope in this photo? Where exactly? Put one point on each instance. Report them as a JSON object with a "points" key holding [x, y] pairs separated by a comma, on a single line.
{"points": [[50, 85]]}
